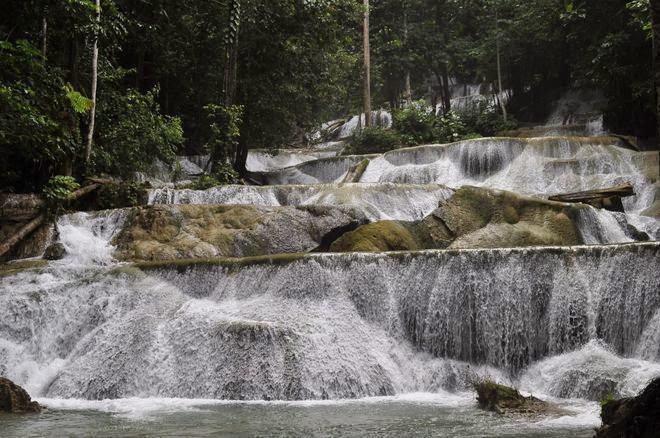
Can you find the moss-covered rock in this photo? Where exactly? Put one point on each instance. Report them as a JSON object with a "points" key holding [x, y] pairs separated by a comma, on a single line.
{"points": [[508, 401], [170, 232], [473, 218], [637, 417], [379, 236], [15, 400]]}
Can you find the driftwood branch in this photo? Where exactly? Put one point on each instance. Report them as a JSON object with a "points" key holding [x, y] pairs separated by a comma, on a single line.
{"points": [[355, 173], [38, 217], [22, 233], [608, 199], [592, 195], [84, 191]]}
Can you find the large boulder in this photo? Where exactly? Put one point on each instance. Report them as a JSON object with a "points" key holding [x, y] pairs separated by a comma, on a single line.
{"points": [[636, 417], [507, 401], [15, 400], [473, 218], [169, 232]]}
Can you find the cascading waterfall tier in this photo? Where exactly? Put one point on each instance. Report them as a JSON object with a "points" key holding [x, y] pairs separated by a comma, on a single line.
{"points": [[328, 326], [536, 166], [378, 201]]}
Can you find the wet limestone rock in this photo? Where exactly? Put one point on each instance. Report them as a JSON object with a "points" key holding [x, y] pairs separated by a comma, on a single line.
{"points": [[170, 232], [508, 401], [56, 251], [379, 236], [473, 217], [15, 400], [487, 218], [636, 417]]}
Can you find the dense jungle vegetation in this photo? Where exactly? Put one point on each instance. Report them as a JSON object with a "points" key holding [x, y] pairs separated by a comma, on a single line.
{"points": [[103, 87]]}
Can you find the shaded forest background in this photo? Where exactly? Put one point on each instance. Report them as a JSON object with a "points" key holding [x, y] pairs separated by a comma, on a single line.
{"points": [[223, 76]]}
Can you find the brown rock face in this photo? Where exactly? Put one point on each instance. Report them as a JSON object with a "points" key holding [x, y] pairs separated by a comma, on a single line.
{"points": [[506, 401], [15, 400], [636, 417], [472, 218], [171, 232]]}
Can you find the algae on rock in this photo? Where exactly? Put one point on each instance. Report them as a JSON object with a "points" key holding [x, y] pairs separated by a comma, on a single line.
{"points": [[170, 232], [473, 218]]}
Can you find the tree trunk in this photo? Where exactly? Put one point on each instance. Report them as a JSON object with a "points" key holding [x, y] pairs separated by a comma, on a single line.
{"points": [[499, 66], [238, 156], [446, 93], [655, 20], [95, 76], [367, 67], [408, 90], [44, 37]]}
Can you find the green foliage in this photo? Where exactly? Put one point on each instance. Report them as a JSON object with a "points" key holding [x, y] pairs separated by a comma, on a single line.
{"points": [[224, 131], [224, 174], [486, 120], [607, 399], [374, 141], [57, 191], [177, 171], [79, 103], [450, 128], [132, 133], [38, 132], [415, 123], [119, 195]]}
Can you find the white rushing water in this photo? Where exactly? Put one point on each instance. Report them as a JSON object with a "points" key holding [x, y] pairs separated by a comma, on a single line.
{"points": [[377, 201], [540, 166], [264, 160], [326, 326], [380, 118]]}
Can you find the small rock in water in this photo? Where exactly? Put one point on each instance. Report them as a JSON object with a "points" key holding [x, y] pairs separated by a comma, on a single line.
{"points": [[506, 401], [15, 400], [56, 251], [637, 417]]}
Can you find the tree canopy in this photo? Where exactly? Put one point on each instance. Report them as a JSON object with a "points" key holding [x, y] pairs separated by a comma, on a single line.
{"points": [[223, 76]]}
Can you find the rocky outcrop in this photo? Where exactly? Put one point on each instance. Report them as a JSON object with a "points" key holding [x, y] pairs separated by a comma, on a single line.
{"points": [[56, 251], [636, 417], [508, 401], [473, 218], [15, 400], [169, 232]]}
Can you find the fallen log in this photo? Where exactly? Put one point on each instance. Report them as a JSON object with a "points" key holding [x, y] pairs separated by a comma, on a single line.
{"points": [[355, 173], [40, 218], [608, 198], [621, 191], [21, 234], [73, 196]]}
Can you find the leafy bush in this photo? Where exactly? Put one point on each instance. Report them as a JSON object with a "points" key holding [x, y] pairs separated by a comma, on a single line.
{"points": [[415, 123], [374, 141], [39, 131], [132, 133], [449, 128], [125, 194], [223, 175], [224, 131], [57, 192], [486, 120]]}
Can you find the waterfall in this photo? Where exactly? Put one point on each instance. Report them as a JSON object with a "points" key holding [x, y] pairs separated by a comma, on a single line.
{"points": [[259, 160], [381, 119], [376, 201], [322, 326]]}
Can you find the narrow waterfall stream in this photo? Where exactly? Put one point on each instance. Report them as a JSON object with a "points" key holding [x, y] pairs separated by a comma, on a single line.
{"points": [[385, 344]]}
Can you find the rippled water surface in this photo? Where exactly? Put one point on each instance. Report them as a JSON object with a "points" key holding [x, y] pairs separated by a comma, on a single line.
{"points": [[426, 415]]}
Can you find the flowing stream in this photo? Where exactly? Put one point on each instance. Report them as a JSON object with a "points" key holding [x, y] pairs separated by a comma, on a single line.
{"points": [[385, 344]]}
